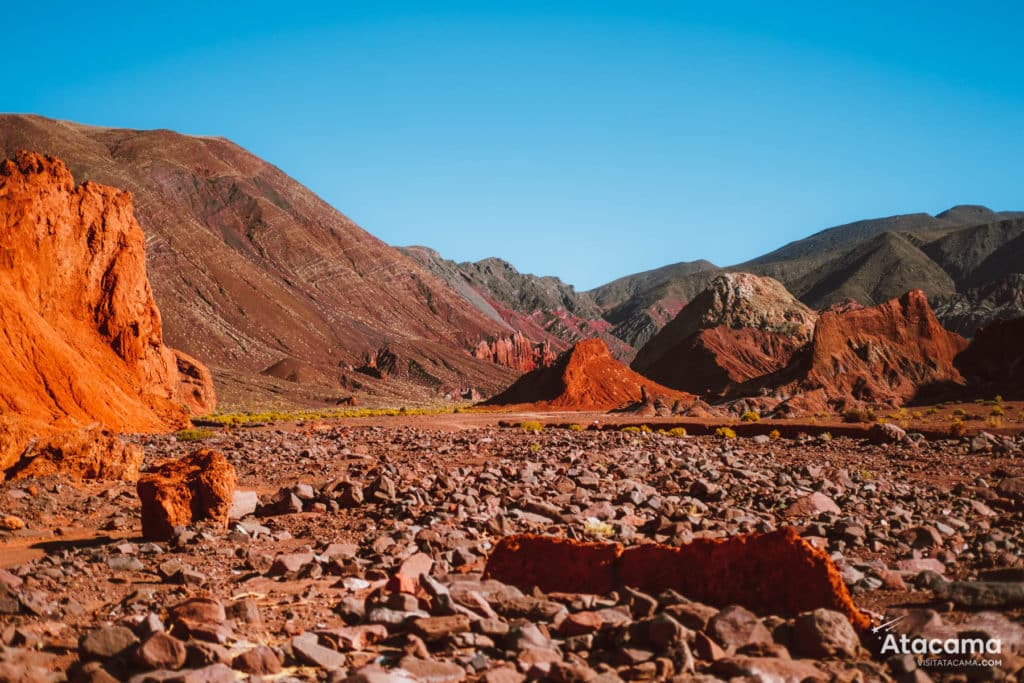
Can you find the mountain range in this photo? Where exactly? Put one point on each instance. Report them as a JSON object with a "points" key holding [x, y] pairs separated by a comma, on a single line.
{"points": [[290, 302]]}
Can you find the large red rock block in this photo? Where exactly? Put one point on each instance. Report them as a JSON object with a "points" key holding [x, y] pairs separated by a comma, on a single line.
{"points": [[82, 336], [90, 453], [773, 573], [180, 492]]}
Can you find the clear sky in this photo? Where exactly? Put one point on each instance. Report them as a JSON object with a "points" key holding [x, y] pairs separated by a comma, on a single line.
{"points": [[587, 140]]}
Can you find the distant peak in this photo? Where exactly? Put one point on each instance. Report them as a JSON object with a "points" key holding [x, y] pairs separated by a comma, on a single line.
{"points": [[961, 211]]}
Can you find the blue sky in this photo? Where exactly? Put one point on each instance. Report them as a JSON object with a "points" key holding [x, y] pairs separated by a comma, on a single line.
{"points": [[587, 140]]}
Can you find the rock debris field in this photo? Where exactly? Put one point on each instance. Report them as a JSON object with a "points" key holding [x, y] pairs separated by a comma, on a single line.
{"points": [[358, 553]]}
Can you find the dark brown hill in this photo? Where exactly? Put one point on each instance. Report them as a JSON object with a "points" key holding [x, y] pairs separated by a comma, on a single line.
{"points": [[994, 362], [249, 267]]}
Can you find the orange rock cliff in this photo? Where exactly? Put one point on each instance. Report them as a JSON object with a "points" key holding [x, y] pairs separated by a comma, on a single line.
{"points": [[82, 339]]}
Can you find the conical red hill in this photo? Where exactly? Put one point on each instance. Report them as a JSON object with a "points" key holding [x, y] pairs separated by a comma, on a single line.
{"points": [[82, 337], [586, 377]]}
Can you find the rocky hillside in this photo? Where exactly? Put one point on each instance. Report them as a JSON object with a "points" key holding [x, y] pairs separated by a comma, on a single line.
{"points": [[639, 305], [82, 336], [741, 327], [966, 259], [888, 353], [543, 309], [250, 269]]}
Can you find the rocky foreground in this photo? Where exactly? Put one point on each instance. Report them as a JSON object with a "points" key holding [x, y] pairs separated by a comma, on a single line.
{"points": [[359, 557]]}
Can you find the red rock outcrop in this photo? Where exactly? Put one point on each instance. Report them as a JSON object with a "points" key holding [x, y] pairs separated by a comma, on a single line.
{"points": [[772, 573], [515, 351], [882, 354], [179, 492], [741, 327], [82, 337], [585, 377], [993, 364], [89, 453]]}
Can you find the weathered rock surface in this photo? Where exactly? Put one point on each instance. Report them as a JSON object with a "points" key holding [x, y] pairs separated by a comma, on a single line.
{"points": [[88, 453], [180, 492], [83, 339], [585, 378], [741, 327], [775, 573], [515, 351], [884, 354]]}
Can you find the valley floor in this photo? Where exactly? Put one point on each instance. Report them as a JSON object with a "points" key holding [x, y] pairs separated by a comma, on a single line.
{"points": [[81, 589]]}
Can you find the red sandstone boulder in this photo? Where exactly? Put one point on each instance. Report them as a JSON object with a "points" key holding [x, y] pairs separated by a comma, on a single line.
{"points": [[772, 573], [586, 377], [197, 487], [84, 339]]}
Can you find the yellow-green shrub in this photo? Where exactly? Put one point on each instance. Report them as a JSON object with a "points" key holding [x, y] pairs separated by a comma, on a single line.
{"points": [[194, 434]]}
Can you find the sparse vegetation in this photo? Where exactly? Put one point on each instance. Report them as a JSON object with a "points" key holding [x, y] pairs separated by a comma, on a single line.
{"points": [[596, 527], [859, 415], [997, 411], [533, 427], [726, 432], [932, 411], [957, 428], [194, 434], [633, 429], [864, 474], [534, 447], [576, 427], [994, 421], [750, 416], [678, 432], [270, 416], [775, 435]]}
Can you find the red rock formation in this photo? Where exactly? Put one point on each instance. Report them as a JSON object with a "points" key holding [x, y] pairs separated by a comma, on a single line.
{"points": [[90, 453], [713, 361], [773, 573], [994, 362], [741, 327], [586, 377], [883, 354], [82, 339], [515, 351], [180, 492]]}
